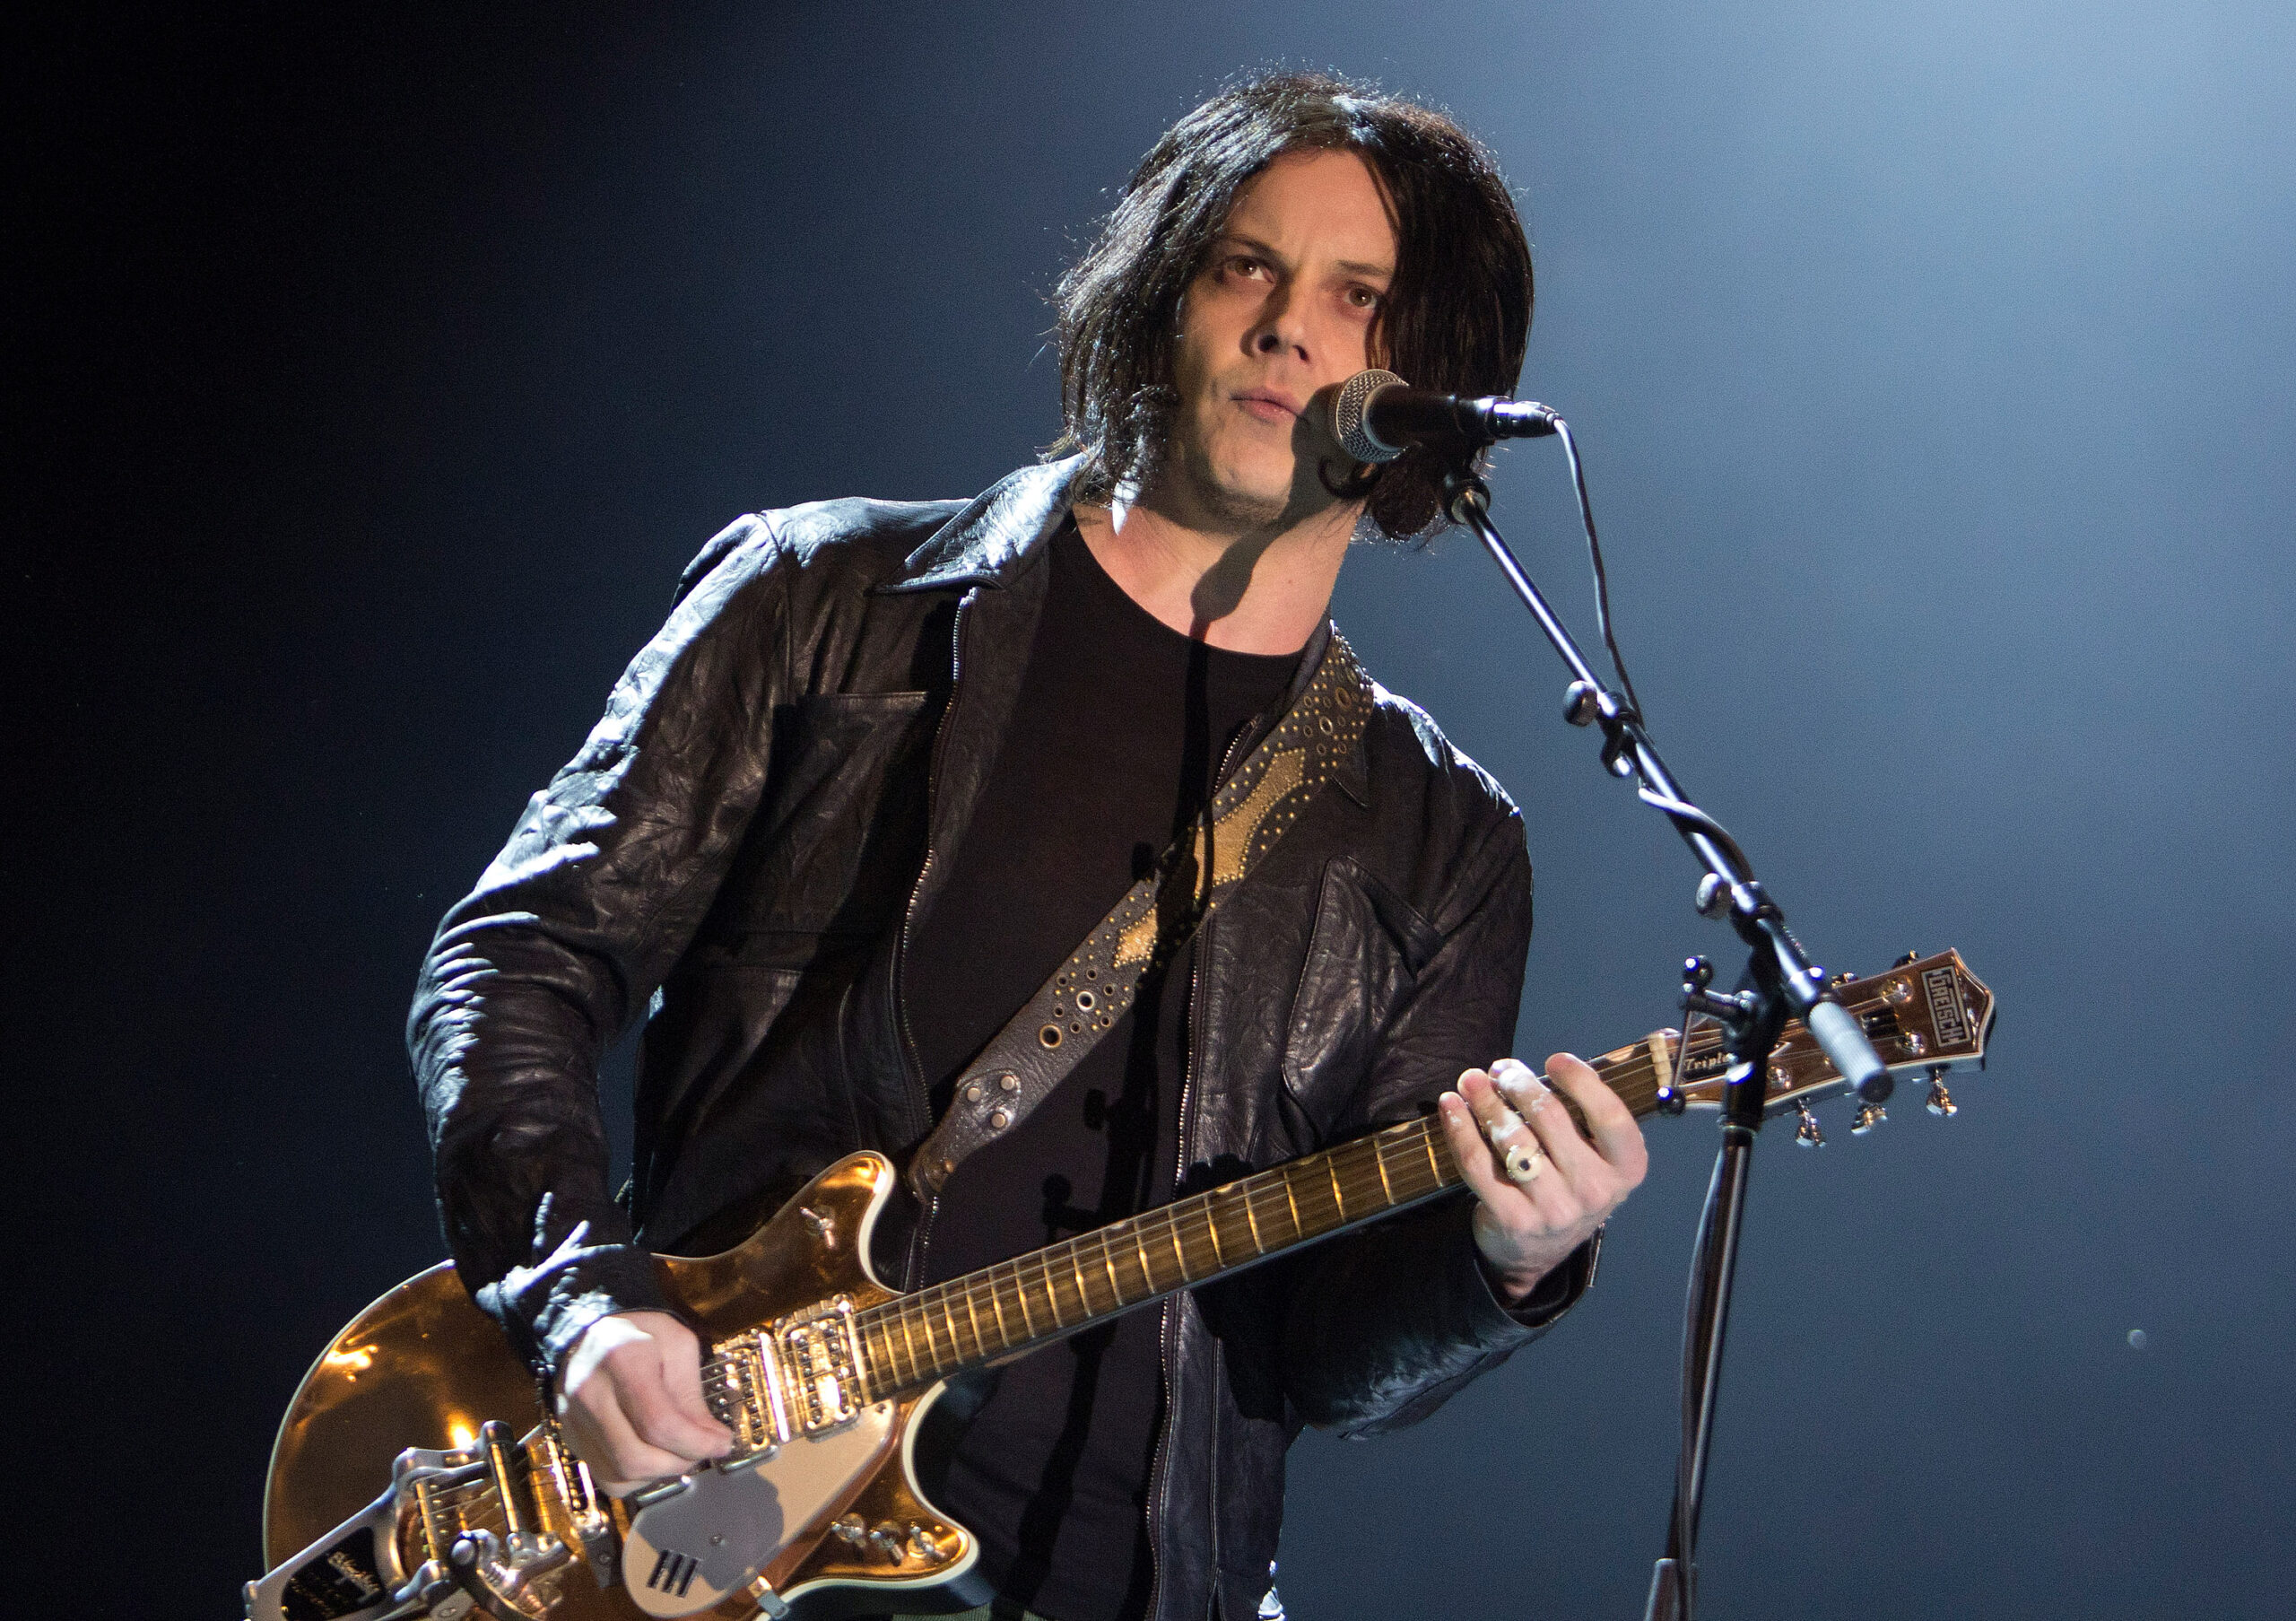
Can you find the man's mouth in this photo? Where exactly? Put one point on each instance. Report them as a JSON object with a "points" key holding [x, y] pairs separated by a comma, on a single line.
{"points": [[1269, 404]]}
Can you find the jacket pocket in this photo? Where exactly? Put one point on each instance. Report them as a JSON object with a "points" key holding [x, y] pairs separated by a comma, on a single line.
{"points": [[1364, 955], [840, 828]]}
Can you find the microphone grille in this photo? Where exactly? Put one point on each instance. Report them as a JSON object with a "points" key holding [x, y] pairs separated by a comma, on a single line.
{"points": [[1347, 423]]}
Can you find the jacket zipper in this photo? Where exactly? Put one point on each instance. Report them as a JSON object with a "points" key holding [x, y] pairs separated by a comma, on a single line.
{"points": [[1160, 1470], [910, 1059]]}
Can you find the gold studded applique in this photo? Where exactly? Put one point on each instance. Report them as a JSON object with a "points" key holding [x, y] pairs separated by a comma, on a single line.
{"points": [[1251, 812]]}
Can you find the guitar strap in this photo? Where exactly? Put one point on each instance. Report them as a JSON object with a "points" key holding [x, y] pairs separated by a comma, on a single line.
{"points": [[1087, 994]]}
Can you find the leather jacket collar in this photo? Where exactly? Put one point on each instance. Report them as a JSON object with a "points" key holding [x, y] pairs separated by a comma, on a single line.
{"points": [[996, 533]]}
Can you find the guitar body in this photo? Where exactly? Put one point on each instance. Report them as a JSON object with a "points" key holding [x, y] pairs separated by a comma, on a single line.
{"points": [[424, 1367]]}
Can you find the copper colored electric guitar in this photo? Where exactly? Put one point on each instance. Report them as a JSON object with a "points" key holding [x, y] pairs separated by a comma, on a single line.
{"points": [[827, 1378]]}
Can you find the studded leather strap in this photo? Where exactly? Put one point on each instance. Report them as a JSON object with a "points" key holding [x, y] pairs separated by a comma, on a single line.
{"points": [[1091, 990]]}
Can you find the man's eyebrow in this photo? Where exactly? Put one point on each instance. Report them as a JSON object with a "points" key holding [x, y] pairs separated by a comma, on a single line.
{"points": [[1352, 266]]}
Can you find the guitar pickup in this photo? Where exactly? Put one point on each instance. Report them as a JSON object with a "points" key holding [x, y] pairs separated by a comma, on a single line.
{"points": [[819, 1350]]}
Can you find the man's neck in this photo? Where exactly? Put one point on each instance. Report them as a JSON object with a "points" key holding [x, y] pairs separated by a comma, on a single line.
{"points": [[1260, 590]]}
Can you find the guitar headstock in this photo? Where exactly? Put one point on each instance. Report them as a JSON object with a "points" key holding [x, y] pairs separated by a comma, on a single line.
{"points": [[1925, 1016]]}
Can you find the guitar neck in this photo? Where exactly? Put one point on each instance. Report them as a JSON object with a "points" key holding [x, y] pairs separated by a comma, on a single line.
{"points": [[1014, 1305]]}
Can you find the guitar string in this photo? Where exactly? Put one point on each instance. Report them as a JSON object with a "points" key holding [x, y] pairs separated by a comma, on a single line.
{"points": [[1360, 1181], [1357, 1182]]}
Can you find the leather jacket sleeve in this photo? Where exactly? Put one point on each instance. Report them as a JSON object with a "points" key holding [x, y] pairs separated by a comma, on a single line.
{"points": [[1384, 1325], [565, 939]]}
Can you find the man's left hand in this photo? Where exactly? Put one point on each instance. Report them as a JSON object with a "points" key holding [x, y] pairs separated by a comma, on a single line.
{"points": [[1566, 1184]]}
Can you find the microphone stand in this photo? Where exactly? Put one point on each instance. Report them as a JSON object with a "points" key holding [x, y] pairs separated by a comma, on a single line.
{"points": [[1780, 983]]}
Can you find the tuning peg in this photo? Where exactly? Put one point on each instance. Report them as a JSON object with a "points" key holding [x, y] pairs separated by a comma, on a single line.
{"points": [[1941, 1102], [1807, 1134], [1869, 1115], [1911, 957]]}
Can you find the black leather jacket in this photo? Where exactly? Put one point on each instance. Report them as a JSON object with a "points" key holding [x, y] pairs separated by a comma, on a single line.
{"points": [[739, 843]]}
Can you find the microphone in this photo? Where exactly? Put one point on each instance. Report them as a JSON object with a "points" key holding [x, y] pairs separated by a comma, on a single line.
{"points": [[1378, 416]]}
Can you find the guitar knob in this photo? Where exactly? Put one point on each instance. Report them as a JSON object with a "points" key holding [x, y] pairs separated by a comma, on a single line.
{"points": [[1807, 1135], [1941, 1102], [1869, 1115]]}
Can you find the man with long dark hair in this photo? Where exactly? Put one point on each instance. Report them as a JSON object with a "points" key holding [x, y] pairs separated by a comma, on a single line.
{"points": [[889, 765]]}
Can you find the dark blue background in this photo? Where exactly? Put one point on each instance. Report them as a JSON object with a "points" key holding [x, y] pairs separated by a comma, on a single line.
{"points": [[373, 374]]}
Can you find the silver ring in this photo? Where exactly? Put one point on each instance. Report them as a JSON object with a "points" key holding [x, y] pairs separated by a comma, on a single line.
{"points": [[1523, 1157]]}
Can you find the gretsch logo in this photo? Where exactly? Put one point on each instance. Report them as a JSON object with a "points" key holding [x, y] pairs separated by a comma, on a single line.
{"points": [[1946, 1007], [367, 1586], [340, 1581]]}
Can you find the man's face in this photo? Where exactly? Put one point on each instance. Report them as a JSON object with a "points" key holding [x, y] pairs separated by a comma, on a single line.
{"points": [[1284, 307]]}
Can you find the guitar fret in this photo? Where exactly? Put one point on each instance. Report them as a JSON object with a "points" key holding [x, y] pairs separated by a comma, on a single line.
{"points": [[1252, 1221], [996, 1307], [916, 1318], [1021, 1297], [949, 1312], [900, 1316], [1140, 1243], [1180, 1256], [1107, 1259], [1339, 1201], [925, 1321], [1051, 1290], [1083, 1296], [910, 1312], [1284, 1174], [1380, 1159]]}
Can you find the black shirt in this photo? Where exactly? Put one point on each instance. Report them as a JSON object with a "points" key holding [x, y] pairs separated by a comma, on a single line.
{"points": [[1116, 742]]}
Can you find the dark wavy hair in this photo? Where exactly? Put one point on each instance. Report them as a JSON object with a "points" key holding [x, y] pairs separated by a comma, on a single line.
{"points": [[1455, 317]]}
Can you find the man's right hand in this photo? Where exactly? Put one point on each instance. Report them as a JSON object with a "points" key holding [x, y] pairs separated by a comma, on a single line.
{"points": [[630, 1397]]}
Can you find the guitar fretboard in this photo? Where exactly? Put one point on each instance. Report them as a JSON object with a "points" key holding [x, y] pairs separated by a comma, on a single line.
{"points": [[1008, 1308]]}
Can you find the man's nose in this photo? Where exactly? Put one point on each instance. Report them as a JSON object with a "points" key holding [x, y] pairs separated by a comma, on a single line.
{"points": [[1280, 329]]}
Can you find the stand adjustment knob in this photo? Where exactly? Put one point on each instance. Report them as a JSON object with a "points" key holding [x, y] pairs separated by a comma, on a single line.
{"points": [[1580, 703]]}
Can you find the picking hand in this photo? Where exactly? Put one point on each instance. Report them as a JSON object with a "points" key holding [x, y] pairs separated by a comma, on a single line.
{"points": [[630, 1397]]}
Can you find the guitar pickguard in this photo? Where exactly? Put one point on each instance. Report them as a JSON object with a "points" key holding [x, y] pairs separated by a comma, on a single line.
{"points": [[705, 1537]]}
